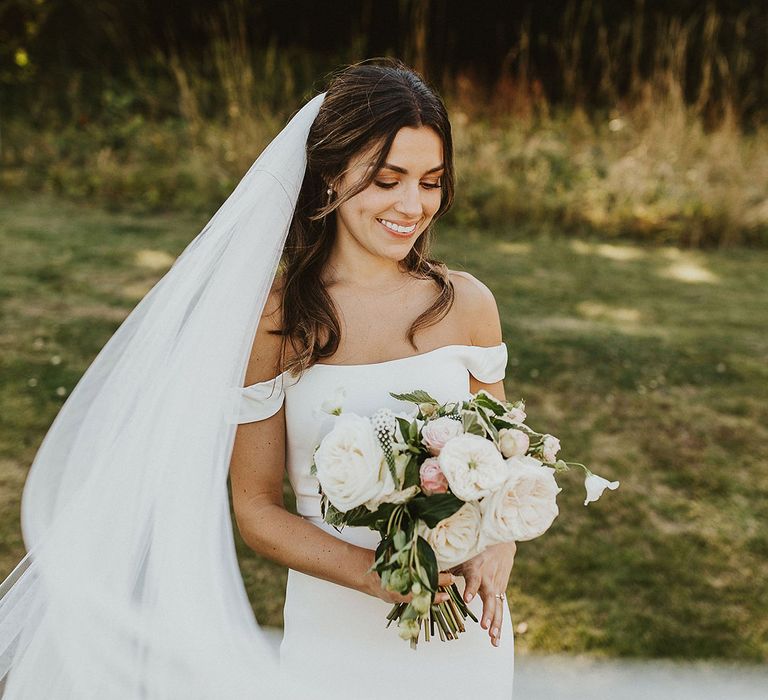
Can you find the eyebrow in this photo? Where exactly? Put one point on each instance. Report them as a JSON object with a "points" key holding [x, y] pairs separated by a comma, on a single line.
{"points": [[398, 169]]}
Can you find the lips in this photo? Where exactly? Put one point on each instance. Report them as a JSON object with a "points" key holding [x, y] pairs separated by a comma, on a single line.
{"points": [[398, 228]]}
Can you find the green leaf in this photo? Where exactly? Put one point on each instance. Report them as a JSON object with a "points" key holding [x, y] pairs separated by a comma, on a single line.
{"points": [[485, 400], [486, 421], [416, 396], [376, 520], [471, 424], [433, 509], [413, 431], [411, 476], [334, 516], [428, 561], [405, 427]]}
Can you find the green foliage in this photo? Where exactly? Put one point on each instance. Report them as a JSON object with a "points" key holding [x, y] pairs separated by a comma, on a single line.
{"points": [[417, 397], [648, 169], [433, 509]]}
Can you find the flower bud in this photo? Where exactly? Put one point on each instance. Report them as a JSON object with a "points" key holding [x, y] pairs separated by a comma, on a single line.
{"points": [[409, 629], [399, 581], [421, 603]]}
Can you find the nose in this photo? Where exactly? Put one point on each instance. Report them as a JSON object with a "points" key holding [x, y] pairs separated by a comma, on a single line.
{"points": [[410, 202]]}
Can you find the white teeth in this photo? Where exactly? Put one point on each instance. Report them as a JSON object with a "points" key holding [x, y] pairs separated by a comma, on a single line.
{"points": [[395, 227]]}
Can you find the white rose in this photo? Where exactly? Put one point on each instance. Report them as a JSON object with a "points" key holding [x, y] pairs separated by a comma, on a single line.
{"points": [[439, 431], [513, 442], [454, 539], [595, 486], [516, 414], [351, 466], [524, 507], [473, 466], [550, 448]]}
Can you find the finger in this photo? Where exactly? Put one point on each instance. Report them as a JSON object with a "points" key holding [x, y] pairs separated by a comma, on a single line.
{"points": [[489, 610], [472, 583], [498, 618], [444, 579]]}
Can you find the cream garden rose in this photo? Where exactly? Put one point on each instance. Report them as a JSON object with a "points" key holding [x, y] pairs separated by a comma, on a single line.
{"points": [[439, 431], [473, 466], [524, 507], [351, 466], [513, 442], [455, 539]]}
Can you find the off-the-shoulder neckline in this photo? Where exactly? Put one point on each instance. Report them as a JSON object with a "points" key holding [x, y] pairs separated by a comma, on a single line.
{"points": [[412, 357], [389, 362]]}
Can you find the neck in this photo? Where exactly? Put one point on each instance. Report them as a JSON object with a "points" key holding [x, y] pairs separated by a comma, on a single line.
{"points": [[359, 268]]}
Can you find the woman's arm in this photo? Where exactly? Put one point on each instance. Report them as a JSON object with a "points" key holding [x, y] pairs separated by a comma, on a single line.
{"points": [[487, 573]]}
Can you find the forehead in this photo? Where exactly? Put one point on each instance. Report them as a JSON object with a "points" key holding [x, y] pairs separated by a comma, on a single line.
{"points": [[416, 144], [416, 149]]}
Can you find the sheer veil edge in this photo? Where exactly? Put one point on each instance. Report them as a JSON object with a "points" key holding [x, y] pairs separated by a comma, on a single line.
{"points": [[131, 586]]}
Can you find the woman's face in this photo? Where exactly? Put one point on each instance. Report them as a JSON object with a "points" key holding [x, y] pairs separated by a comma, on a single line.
{"points": [[389, 215]]}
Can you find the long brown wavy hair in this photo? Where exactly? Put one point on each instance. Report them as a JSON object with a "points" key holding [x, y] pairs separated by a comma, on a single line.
{"points": [[366, 104]]}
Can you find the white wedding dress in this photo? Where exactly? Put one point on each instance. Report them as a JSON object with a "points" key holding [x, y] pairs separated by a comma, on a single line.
{"points": [[336, 637]]}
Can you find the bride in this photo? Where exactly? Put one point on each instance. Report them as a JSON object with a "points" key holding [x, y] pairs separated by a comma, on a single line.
{"points": [[310, 290]]}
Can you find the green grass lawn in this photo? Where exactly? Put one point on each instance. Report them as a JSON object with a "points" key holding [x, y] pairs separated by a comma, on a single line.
{"points": [[650, 364]]}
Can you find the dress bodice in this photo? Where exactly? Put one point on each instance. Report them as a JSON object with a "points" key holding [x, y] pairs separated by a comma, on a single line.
{"points": [[362, 389]]}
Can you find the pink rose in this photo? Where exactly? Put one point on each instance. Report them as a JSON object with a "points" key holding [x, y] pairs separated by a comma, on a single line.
{"points": [[432, 478], [438, 431]]}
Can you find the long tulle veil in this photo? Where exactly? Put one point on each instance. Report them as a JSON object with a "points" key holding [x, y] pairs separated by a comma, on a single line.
{"points": [[130, 587]]}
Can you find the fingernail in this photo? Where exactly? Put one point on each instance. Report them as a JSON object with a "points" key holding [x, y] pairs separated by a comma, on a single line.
{"points": [[469, 597], [495, 642], [486, 623], [495, 631]]}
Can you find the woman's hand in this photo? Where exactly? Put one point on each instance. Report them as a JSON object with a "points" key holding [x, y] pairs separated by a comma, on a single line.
{"points": [[488, 574], [372, 586]]}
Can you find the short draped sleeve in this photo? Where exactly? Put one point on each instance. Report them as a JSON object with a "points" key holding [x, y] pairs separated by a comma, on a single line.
{"points": [[486, 364], [257, 401]]}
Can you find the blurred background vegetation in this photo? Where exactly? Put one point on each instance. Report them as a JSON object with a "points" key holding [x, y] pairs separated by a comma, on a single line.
{"points": [[612, 190], [642, 119]]}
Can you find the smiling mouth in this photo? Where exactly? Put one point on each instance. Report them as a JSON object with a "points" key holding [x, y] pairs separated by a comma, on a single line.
{"points": [[396, 228]]}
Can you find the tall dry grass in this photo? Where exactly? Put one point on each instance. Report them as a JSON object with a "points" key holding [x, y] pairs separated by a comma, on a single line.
{"points": [[656, 164]]}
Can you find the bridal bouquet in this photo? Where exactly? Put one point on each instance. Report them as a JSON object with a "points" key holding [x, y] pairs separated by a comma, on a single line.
{"points": [[440, 485]]}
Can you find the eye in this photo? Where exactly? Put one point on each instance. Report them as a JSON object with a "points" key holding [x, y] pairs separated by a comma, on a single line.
{"points": [[432, 185], [385, 185]]}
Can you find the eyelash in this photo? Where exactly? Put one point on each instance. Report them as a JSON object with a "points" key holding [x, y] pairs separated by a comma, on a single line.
{"points": [[390, 185]]}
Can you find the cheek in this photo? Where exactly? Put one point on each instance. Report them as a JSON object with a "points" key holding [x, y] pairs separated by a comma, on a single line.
{"points": [[367, 205], [432, 204]]}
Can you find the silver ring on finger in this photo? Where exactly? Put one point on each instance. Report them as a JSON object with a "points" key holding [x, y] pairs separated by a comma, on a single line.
{"points": [[500, 596]]}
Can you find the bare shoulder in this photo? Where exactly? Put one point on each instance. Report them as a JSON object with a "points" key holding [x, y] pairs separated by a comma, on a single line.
{"points": [[477, 306], [264, 361]]}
